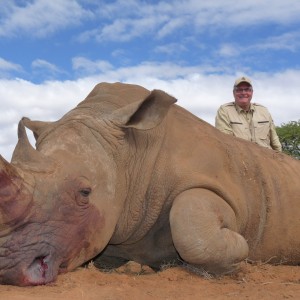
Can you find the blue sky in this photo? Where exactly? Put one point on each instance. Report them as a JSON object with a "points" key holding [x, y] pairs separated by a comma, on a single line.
{"points": [[52, 53]]}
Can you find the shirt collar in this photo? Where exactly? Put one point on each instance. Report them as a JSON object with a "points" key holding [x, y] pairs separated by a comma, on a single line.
{"points": [[239, 109]]}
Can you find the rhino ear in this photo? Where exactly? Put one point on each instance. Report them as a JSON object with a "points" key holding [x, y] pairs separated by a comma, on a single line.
{"points": [[37, 127], [146, 113]]}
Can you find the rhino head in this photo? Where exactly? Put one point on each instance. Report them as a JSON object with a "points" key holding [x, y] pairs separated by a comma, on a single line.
{"points": [[60, 203], [48, 223]]}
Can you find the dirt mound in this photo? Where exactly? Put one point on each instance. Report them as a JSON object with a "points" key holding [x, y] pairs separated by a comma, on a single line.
{"points": [[139, 282]]}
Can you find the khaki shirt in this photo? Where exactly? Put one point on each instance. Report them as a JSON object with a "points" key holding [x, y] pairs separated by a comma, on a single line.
{"points": [[256, 125]]}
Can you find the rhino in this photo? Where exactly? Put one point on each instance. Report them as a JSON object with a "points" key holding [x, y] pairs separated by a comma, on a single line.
{"points": [[128, 175]]}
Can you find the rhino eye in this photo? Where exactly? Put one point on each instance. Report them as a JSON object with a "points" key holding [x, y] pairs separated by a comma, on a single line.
{"points": [[85, 192]]}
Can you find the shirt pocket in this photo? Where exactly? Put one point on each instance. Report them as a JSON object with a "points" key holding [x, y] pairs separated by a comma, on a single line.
{"points": [[240, 130], [262, 129]]}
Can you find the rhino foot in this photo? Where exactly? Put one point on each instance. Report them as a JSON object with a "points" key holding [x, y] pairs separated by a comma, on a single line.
{"points": [[204, 231]]}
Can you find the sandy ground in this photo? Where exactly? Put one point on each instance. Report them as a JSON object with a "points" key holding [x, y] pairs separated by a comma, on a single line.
{"points": [[139, 282]]}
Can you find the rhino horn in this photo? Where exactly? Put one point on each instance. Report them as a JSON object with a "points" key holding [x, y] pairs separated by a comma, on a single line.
{"points": [[25, 155], [14, 197], [7, 170]]}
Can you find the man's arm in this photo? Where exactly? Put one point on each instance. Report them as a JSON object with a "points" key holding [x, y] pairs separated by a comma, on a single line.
{"points": [[222, 121], [274, 139]]}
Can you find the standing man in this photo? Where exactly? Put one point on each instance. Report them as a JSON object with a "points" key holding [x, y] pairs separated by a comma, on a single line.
{"points": [[249, 121]]}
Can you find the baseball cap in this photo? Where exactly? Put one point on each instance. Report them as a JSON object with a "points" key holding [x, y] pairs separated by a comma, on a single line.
{"points": [[242, 79]]}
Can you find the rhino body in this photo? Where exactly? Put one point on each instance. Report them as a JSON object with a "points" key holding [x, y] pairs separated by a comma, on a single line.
{"points": [[129, 175]]}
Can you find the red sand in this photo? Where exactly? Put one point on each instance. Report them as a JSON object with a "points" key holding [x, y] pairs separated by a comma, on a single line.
{"points": [[136, 282]]}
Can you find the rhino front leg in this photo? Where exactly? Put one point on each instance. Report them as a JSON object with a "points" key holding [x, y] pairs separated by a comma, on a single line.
{"points": [[204, 231]]}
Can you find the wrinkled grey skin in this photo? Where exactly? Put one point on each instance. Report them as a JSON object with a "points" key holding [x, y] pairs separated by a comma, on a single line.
{"points": [[129, 175]]}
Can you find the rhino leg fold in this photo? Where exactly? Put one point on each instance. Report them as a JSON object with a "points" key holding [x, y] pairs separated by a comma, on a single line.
{"points": [[104, 262], [204, 232]]}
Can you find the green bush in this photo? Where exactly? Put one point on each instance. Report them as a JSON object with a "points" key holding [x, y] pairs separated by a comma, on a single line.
{"points": [[289, 135]]}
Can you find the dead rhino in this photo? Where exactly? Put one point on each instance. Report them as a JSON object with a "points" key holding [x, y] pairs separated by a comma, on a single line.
{"points": [[129, 175]]}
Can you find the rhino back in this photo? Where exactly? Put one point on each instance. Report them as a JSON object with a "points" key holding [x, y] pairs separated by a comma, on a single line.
{"points": [[261, 185], [110, 96]]}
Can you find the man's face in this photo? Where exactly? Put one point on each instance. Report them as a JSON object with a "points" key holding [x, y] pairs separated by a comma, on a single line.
{"points": [[243, 95]]}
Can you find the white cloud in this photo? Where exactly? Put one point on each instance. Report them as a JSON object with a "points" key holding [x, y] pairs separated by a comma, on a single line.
{"points": [[40, 17], [170, 48], [118, 53], [228, 50], [225, 14], [200, 93], [170, 26], [257, 12], [9, 66], [85, 65], [125, 20], [289, 41], [44, 65], [122, 30]]}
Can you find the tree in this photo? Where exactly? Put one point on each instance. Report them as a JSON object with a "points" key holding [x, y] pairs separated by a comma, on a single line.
{"points": [[289, 135]]}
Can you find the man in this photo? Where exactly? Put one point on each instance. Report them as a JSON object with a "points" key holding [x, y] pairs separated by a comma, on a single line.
{"points": [[246, 120]]}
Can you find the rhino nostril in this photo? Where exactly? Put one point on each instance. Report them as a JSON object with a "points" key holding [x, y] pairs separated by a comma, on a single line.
{"points": [[40, 263]]}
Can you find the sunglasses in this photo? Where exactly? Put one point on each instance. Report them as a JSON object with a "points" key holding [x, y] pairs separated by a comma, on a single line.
{"points": [[240, 90]]}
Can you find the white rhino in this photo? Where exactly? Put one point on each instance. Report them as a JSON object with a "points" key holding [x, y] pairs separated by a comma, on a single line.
{"points": [[129, 175]]}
